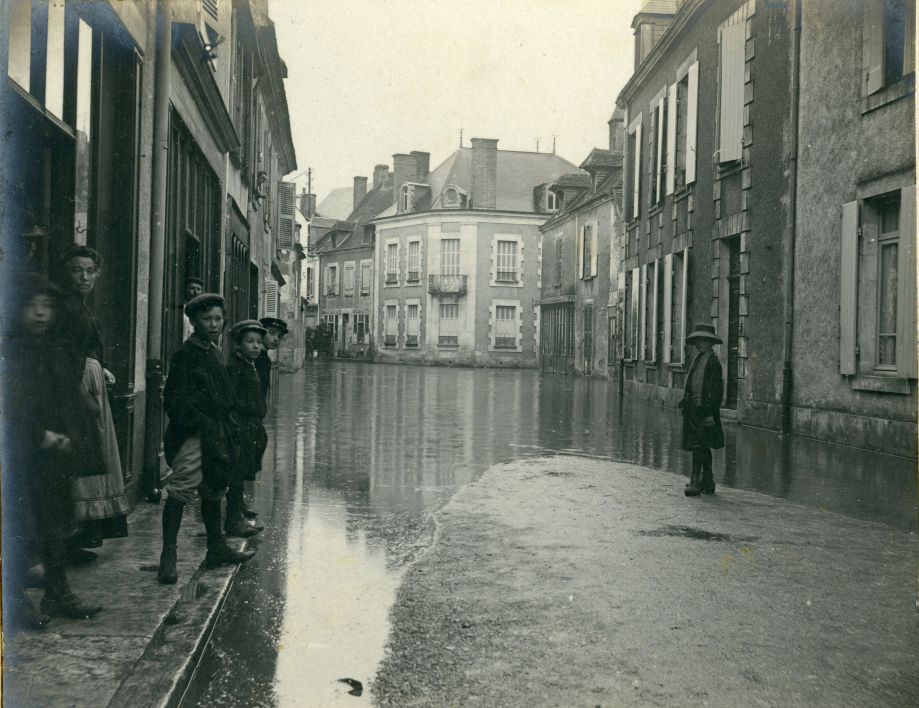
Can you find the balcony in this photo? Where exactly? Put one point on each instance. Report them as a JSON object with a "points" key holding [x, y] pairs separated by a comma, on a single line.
{"points": [[447, 284]]}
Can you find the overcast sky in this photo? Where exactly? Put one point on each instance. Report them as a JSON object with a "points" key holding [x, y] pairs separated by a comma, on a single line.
{"points": [[368, 79]]}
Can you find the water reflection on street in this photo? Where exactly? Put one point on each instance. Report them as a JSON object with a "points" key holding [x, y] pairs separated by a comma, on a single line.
{"points": [[359, 457]]}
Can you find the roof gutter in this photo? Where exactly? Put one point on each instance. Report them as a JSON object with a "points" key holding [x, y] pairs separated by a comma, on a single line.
{"points": [[789, 280]]}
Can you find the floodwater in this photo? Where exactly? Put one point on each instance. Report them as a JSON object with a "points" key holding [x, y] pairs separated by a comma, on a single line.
{"points": [[359, 457]]}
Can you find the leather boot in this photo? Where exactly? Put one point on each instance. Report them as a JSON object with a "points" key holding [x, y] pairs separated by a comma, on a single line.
{"points": [[59, 600], [248, 512], [173, 509], [236, 524], [218, 551], [692, 489], [707, 485]]}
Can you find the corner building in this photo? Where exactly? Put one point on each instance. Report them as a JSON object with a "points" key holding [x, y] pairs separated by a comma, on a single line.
{"points": [[459, 259]]}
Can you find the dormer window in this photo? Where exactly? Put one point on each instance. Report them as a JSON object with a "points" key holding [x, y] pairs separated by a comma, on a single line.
{"points": [[552, 201], [406, 198], [454, 197]]}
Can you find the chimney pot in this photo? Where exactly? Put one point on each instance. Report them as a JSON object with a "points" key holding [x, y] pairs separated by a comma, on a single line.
{"points": [[422, 164], [379, 175]]}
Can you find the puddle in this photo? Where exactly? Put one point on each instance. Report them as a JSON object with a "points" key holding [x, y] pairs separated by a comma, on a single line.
{"points": [[697, 534]]}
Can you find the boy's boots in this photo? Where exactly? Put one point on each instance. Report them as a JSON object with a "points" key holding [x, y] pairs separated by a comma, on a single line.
{"points": [[693, 488], [58, 599], [173, 509], [217, 549], [236, 524]]}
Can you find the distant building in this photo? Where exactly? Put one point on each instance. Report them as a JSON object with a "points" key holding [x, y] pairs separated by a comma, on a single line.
{"points": [[580, 263], [337, 205], [346, 252], [309, 271], [458, 257]]}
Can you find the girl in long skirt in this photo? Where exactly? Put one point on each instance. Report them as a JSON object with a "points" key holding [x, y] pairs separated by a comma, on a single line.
{"points": [[99, 500]]}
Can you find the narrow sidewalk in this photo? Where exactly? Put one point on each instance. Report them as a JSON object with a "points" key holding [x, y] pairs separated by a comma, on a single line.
{"points": [[143, 647]]}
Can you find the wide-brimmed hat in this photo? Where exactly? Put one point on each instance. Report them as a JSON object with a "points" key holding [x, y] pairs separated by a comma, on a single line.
{"points": [[237, 330], [204, 301], [704, 331], [274, 322]]}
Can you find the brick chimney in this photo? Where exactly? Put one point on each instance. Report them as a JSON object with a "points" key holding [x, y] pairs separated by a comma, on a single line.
{"points": [[422, 164], [379, 175], [360, 190], [404, 169], [307, 204], [484, 173], [617, 132]]}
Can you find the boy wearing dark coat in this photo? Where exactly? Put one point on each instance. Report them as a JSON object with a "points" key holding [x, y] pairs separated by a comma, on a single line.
{"points": [[201, 441], [251, 408], [701, 408]]}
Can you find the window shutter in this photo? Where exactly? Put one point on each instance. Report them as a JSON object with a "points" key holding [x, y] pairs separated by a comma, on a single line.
{"points": [[642, 311], [848, 288], [271, 298], [732, 92], [671, 137], [684, 324], [580, 246], [657, 273], [906, 327], [337, 281], [660, 144], [633, 315], [594, 245], [873, 47], [691, 122], [637, 181], [909, 51], [668, 305], [286, 214]]}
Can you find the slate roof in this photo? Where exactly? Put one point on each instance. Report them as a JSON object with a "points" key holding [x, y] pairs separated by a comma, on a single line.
{"points": [[611, 186], [337, 204], [602, 158], [658, 7], [577, 181]]}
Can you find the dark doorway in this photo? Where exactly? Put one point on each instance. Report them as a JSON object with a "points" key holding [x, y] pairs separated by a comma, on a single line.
{"points": [[733, 319], [588, 339]]}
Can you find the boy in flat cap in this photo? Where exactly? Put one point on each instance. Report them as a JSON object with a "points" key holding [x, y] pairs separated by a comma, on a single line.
{"points": [[193, 288], [275, 330], [201, 440], [251, 408], [701, 408]]}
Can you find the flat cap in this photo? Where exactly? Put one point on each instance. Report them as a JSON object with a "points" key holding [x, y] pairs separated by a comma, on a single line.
{"points": [[204, 301], [274, 322], [237, 330]]}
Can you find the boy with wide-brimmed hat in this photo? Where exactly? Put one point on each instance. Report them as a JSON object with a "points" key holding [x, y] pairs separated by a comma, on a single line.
{"points": [[701, 408]]}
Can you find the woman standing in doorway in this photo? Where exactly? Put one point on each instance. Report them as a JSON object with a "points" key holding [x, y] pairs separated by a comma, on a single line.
{"points": [[100, 505], [701, 407]]}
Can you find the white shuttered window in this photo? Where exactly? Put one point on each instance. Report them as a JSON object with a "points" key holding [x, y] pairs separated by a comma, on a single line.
{"points": [[733, 39]]}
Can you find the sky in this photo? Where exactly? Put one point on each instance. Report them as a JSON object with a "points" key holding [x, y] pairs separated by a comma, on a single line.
{"points": [[371, 78]]}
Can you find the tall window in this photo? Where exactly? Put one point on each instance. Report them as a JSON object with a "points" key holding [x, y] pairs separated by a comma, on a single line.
{"points": [[392, 263], [414, 261], [360, 328], [633, 147], [551, 201], [888, 219], [365, 278], [449, 324], [506, 326], [507, 262], [392, 325], [558, 260], [678, 307], [412, 324], [587, 255], [650, 311], [888, 33], [309, 282], [331, 287], [449, 256]]}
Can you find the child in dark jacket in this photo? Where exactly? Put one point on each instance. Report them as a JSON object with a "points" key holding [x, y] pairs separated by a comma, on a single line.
{"points": [[201, 440], [251, 408]]}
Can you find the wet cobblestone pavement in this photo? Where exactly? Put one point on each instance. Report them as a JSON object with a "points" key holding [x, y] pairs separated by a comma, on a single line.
{"points": [[361, 455]]}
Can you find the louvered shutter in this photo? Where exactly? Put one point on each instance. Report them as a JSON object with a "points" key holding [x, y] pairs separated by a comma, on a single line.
{"points": [[906, 286], [692, 116], [594, 247], [652, 138], [633, 314], [271, 298], [642, 311], [338, 281], [668, 305], [684, 324], [660, 145], [637, 181], [873, 47], [657, 274], [579, 244], [286, 195], [671, 136], [909, 50], [848, 287], [732, 92]]}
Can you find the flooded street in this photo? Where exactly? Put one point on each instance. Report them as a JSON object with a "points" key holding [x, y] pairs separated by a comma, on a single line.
{"points": [[360, 456]]}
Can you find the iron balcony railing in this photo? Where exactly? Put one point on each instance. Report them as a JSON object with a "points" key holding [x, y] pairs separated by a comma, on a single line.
{"points": [[447, 284]]}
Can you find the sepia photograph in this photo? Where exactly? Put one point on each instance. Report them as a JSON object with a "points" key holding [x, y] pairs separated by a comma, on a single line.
{"points": [[427, 354]]}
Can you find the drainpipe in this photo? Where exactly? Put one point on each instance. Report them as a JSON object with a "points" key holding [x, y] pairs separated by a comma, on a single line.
{"points": [[154, 375], [790, 226]]}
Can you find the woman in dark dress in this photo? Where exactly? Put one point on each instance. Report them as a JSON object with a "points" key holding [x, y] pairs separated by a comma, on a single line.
{"points": [[701, 408], [251, 408], [49, 435], [99, 500]]}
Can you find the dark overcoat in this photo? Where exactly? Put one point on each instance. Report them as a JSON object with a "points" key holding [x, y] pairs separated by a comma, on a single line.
{"points": [[200, 402], [263, 367], [251, 408], [695, 432]]}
